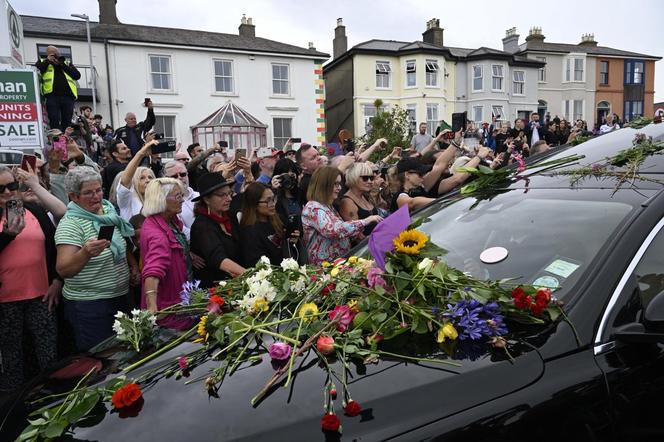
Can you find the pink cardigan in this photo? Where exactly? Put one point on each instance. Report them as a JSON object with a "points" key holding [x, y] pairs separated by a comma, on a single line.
{"points": [[163, 258]]}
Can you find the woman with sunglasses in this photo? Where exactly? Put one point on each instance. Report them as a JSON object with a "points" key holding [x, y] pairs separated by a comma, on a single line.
{"points": [[355, 203], [326, 234], [29, 284], [261, 230], [164, 250], [215, 232]]}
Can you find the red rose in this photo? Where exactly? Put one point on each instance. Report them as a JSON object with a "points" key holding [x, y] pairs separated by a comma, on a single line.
{"points": [[325, 344], [544, 295], [330, 422], [215, 303], [521, 300], [352, 408], [328, 289], [538, 307], [126, 395]]}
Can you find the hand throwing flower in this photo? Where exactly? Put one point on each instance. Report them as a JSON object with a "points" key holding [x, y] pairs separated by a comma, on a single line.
{"points": [[410, 242]]}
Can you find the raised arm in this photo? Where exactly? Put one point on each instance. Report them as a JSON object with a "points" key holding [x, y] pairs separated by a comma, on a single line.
{"points": [[135, 162]]}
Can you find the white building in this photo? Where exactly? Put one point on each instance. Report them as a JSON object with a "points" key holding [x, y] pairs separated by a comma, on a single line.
{"points": [[188, 74]]}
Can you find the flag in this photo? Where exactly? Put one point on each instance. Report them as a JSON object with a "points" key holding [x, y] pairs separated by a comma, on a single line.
{"points": [[381, 239]]}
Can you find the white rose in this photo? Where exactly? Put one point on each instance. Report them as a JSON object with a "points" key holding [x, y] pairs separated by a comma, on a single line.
{"points": [[222, 283], [289, 264], [425, 265]]}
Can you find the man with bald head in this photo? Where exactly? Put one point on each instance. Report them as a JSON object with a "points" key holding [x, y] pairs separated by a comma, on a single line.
{"points": [[58, 86], [132, 133]]}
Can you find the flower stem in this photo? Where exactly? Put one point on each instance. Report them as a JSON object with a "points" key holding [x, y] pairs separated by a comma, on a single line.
{"points": [[162, 350], [412, 358]]}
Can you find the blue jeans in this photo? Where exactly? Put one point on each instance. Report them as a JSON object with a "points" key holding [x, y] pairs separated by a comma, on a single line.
{"points": [[92, 321], [60, 109]]}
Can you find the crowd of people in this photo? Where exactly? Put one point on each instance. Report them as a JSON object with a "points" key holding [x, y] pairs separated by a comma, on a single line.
{"points": [[208, 214]]}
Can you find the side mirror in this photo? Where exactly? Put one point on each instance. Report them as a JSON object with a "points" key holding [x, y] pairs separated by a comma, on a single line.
{"points": [[654, 315], [652, 328]]}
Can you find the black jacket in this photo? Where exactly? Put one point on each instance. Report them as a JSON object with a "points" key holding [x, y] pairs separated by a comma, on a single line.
{"points": [[60, 85], [122, 133], [213, 245], [261, 240], [49, 233]]}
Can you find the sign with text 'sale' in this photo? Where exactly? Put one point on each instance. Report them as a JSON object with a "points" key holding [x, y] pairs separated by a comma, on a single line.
{"points": [[20, 110]]}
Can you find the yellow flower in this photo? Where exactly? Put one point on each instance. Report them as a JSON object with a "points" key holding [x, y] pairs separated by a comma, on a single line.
{"points": [[334, 272], [353, 305], [308, 311], [202, 330], [447, 332], [410, 242], [326, 264], [352, 260], [261, 305]]}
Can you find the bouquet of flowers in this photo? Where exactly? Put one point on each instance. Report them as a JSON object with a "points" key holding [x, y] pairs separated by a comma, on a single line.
{"points": [[137, 329]]}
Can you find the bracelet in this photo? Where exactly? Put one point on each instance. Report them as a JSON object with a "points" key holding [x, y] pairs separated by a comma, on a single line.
{"points": [[147, 292]]}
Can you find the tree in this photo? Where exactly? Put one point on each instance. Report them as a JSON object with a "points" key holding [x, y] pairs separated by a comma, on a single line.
{"points": [[392, 125]]}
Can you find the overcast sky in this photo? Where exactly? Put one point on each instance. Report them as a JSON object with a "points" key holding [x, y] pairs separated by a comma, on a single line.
{"points": [[629, 25]]}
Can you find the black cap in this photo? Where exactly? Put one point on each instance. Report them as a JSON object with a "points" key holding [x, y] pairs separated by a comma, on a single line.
{"points": [[210, 182], [411, 165]]}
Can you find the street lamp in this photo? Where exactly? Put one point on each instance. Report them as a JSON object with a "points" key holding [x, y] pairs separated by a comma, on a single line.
{"points": [[92, 68]]}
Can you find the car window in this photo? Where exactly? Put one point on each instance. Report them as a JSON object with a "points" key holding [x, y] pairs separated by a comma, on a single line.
{"points": [[550, 236]]}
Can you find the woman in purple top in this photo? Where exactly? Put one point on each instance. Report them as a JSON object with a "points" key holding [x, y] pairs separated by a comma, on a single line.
{"points": [[326, 234], [164, 250]]}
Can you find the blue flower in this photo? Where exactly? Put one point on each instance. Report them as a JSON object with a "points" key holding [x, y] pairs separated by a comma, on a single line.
{"points": [[474, 320], [187, 288]]}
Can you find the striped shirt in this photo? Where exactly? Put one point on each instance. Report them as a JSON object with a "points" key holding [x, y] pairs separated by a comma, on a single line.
{"points": [[102, 277]]}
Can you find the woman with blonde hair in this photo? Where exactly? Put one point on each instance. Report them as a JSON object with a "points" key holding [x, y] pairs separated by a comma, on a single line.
{"points": [[326, 234], [164, 250], [355, 203], [131, 189]]}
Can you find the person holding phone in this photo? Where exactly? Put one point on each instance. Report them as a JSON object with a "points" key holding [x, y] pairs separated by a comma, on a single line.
{"points": [[29, 284], [131, 189], [263, 233], [133, 133]]}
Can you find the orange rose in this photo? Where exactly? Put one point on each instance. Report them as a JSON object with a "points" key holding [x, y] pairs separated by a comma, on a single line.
{"points": [[126, 395]]}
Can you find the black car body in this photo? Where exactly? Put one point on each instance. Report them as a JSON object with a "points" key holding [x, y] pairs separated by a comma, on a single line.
{"points": [[597, 376]]}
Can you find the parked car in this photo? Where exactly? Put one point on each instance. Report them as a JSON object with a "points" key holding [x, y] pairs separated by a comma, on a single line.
{"points": [[597, 376]]}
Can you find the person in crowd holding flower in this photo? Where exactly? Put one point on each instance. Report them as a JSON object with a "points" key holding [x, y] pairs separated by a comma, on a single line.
{"points": [[131, 190], [29, 285], [355, 203], [326, 234], [214, 234], [95, 271], [261, 230], [164, 250]]}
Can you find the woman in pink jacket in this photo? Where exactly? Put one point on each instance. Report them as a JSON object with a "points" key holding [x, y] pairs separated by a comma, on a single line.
{"points": [[164, 250]]}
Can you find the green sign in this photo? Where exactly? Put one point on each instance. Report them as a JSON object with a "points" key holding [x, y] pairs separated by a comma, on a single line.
{"points": [[17, 86], [20, 110]]}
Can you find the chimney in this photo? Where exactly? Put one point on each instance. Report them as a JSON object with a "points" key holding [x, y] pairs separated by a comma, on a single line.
{"points": [[534, 36], [107, 13], [311, 46], [434, 33], [340, 42], [247, 28], [511, 41], [588, 40]]}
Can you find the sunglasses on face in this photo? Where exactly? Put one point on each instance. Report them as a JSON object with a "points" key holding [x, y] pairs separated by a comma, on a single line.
{"points": [[9, 186], [367, 178], [181, 175]]}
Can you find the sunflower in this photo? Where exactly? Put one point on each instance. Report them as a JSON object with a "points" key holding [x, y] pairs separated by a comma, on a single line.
{"points": [[308, 311], [202, 330], [410, 242]]}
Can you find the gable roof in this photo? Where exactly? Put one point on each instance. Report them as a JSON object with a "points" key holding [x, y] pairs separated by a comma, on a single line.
{"points": [[75, 30], [535, 45]]}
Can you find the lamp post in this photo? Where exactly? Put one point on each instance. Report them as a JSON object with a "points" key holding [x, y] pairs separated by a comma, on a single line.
{"points": [[92, 68]]}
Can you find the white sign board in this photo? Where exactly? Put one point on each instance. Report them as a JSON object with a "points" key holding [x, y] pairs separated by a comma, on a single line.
{"points": [[11, 36]]}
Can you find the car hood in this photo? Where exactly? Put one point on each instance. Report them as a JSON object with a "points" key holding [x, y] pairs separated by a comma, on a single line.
{"points": [[396, 397]]}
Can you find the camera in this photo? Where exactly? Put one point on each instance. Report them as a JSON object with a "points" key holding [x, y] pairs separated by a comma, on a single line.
{"points": [[56, 138], [158, 136], [287, 181]]}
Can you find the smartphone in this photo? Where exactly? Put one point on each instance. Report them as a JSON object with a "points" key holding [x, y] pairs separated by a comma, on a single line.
{"points": [[296, 140], [222, 143], [29, 160], [405, 153], [240, 152], [292, 225], [14, 210], [106, 232], [147, 101], [459, 121], [164, 146]]}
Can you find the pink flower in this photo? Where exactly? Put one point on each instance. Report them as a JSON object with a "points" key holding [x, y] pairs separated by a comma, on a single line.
{"points": [[325, 344], [375, 278], [279, 351], [345, 314], [522, 164], [182, 363]]}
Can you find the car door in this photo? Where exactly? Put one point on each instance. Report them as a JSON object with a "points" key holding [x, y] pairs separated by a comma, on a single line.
{"points": [[634, 372]]}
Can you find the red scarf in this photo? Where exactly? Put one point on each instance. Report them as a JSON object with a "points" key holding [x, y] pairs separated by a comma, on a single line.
{"points": [[225, 219]]}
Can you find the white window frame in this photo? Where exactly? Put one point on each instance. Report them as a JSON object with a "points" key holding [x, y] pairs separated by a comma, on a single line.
{"points": [[481, 77], [214, 77], [581, 114], [383, 70], [411, 73], [569, 68], [479, 108], [569, 110], [173, 129], [501, 77], [431, 70], [498, 110], [281, 117], [432, 123], [541, 72], [411, 108], [521, 82], [170, 73], [288, 81], [367, 118]]}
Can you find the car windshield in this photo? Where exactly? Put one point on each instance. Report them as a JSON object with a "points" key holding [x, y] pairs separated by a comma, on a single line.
{"points": [[549, 236]]}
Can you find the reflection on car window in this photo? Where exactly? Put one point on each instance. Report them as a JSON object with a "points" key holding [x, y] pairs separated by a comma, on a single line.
{"points": [[550, 241], [650, 270]]}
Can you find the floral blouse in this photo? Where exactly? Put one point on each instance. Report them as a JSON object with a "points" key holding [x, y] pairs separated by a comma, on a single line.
{"points": [[326, 234]]}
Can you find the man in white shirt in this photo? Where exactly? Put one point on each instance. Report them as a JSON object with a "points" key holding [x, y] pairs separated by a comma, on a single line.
{"points": [[609, 125], [421, 140]]}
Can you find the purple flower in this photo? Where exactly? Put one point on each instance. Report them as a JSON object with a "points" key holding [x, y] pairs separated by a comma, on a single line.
{"points": [[279, 351], [375, 278], [474, 320], [187, 288]]}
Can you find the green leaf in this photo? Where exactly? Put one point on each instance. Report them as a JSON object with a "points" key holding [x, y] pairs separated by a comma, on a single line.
{"points": [[56, 428], [554, 312], [220, 335], [28, 434], [379, 317], [116, 383], [477, 297], [485, 170], [389, 268], [37, 422], [362, 321], [83, 407], [350, 348], [421, 289]]}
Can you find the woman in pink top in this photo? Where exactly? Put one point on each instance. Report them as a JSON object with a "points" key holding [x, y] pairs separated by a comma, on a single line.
{"points": [[28, 286], [164, 249]]}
